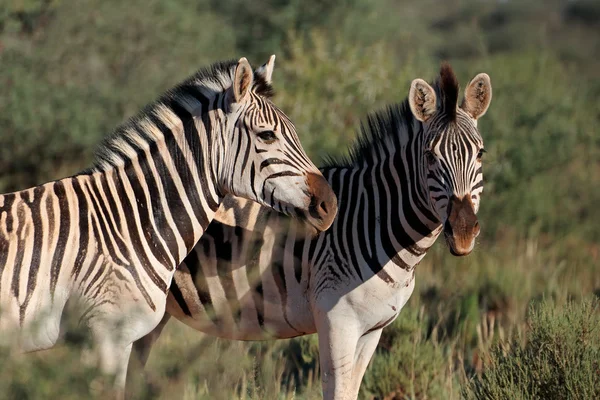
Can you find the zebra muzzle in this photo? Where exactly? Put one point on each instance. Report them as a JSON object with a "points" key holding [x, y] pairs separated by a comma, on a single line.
{"points": [[323, 202], [461, 227]]}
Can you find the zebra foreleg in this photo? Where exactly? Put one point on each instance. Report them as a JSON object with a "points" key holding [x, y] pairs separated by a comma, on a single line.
{"points": [[337, 348], [112, 346], [364, 352], [113, 359], [143, 346], [140, 354]]}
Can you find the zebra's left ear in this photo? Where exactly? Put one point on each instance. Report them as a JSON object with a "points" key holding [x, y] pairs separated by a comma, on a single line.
{"points": [[266, 70], [422, 100], [243, 80], [478, 96]]}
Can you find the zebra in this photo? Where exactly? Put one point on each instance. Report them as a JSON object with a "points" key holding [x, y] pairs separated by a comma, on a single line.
{"points": [[110, 238], [415, 172]]}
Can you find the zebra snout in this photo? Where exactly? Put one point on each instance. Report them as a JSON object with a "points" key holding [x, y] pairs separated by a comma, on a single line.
{"points": [[323, 202], [461, 227], [318, 208]]}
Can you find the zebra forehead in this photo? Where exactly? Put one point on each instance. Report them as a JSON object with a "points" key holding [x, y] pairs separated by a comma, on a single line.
{"points": [[276, 111], [457, 134]]}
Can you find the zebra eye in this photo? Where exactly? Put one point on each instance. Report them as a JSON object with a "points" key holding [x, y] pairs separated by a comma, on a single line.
{"points": [[267, 136], [480, 154], [430, 157]]}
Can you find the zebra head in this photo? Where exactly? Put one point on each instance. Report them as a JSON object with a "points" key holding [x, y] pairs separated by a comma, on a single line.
{"points": [[452, 151], [264, 160]]}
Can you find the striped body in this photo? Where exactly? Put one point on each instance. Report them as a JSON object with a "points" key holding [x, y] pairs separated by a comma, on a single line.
{"points": [[110, 238], [258, 275]]}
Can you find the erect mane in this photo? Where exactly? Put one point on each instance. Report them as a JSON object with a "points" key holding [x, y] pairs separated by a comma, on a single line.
{"points": [[446, 87], [382, 128], [385, 127], [217, 77]]}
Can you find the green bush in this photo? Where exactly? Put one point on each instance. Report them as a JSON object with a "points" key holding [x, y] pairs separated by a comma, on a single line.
{"points": [[329, 85], [558, 358], [407, 365]]}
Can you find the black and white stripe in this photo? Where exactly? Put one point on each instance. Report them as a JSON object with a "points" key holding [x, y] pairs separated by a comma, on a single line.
{"points": [[112, 236], [273, 278]]}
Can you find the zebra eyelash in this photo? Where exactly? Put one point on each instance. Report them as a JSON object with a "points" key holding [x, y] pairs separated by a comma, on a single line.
{"points": [[267, 136]]}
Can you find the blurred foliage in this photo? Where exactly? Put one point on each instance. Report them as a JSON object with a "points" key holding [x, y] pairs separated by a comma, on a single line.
{"points": [[558, 359], [70, 71], [404, 368]]}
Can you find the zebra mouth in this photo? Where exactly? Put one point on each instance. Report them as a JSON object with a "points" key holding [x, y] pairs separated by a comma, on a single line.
{"points": [[461, 227], [460, 246]]}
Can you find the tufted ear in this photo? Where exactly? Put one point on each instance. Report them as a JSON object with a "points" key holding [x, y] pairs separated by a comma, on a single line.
{"points": [[422, 100], [243, 79], [266, 70], [478, 96]]}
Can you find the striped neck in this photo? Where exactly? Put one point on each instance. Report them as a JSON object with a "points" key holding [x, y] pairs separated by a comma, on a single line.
{"points": [[389, 200], [163, 165], [168, 197]]}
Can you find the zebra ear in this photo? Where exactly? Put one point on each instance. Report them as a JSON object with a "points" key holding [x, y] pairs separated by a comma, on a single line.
{"points": [[266, 70], [243, 79], [422, 100], [478, 96]]}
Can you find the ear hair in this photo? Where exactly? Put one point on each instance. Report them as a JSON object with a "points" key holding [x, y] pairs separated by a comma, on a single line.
{"points": [[478, 96], [243, 79], [422, 100]]}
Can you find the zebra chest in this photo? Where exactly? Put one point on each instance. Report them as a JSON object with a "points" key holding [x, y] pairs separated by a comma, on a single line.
{"points": [[378, 301]]}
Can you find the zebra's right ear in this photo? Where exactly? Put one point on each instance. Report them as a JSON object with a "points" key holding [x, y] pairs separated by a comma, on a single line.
{"points": [[266, 70], [243, 80], [478, 96], [422, 100]]}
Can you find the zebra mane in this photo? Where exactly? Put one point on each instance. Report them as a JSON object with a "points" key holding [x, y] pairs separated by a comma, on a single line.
{"points": [[446, 88], [126, 138], [384, 128]]}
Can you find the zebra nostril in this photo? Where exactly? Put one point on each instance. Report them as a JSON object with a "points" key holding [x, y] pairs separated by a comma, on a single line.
{"points": [[323, 202], [318, 208], [323, 206], [313, 209]]}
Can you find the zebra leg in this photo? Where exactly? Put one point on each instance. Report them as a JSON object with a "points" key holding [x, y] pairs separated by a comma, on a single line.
{"points": [[364, 352], [142, 346], [113, 360], [141, 352], [121, 371], [337, 346]]}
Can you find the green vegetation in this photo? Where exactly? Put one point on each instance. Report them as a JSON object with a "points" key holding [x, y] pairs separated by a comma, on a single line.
{"points": [[70, 71], [560, 358]]}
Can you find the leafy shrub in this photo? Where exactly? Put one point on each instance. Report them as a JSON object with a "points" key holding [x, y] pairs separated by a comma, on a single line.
{"points": [[406, 364], [328, 85], [558, 358]]}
